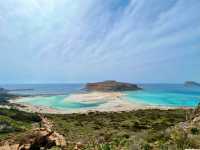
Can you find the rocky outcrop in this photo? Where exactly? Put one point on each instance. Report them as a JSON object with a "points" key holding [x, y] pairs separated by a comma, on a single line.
{"points": [[43, 137], [192, 83], [40, 138], [107, 86]]}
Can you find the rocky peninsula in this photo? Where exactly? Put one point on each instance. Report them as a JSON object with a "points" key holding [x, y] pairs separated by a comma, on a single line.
{"points": [[5, 96], [111, 86]]}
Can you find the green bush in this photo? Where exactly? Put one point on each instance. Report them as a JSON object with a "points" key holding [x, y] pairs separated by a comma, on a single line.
{"points": [[20, 115], [104, 147], [180, 138], [195, 131], [146, 147]]}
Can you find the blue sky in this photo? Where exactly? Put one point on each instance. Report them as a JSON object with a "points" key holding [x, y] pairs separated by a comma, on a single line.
{"points": [[49, 41]]}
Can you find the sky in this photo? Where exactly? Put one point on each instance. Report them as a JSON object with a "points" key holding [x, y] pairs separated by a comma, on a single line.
{"points": [[72, 41]]}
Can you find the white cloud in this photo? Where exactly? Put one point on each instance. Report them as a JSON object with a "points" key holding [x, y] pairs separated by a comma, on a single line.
{"points": [[62, 35]]}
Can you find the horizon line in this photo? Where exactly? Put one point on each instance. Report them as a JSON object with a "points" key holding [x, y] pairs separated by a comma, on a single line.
{"points": [[88, 82]]}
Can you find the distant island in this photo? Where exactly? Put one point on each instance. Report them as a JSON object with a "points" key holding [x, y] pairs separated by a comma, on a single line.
{"points": [[2, 90], [192, 83], [110, 85]]}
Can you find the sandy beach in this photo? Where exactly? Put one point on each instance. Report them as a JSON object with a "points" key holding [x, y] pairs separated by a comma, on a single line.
{"points": [[113, 102]]}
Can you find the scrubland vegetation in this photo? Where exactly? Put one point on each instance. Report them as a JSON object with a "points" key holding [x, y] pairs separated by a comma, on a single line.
{"points": [[137, 130]]}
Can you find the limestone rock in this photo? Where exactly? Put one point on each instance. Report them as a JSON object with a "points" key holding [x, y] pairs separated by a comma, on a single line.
{"points": [[10, 147]]}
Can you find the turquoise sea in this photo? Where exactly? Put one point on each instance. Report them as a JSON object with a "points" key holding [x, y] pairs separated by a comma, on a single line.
{"points": [[57, 102], [55, 95], [174, 95]]}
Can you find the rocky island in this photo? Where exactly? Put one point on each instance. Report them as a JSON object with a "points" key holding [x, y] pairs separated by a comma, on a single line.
{"points": [[111, 86], [3, 91], [192, 83]]}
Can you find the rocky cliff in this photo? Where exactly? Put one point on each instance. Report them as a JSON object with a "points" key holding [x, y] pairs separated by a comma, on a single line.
{"points": [[107, 86]]}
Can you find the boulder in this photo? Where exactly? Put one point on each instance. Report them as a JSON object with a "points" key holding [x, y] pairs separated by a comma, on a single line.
{"points": [[10, 147], [115, 86]]}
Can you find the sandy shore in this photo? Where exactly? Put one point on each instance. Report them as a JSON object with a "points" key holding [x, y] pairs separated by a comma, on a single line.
{"points": [[95, 97], [113, 102]]}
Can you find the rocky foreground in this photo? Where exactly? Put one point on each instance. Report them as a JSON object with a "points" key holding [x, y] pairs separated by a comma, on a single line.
{"points": [[108, 86], [139, 130], [43, 137]]}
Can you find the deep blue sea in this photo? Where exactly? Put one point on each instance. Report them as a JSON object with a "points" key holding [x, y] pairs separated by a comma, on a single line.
{"points": [[54, 95], [43, 89]]}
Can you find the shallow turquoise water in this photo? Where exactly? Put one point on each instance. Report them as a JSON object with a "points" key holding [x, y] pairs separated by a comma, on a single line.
{"points": [[57, 102], [176, 95], [166, 95]]}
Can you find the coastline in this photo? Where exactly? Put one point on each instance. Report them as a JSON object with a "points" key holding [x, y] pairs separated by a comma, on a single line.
{"points": [[114, 102]]}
